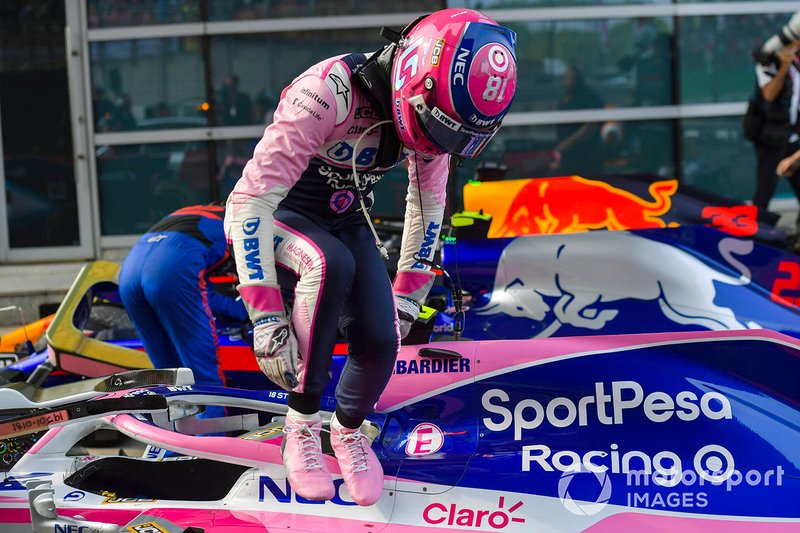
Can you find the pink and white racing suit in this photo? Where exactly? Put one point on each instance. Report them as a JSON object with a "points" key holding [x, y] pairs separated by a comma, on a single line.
{"points": [[296, 207]]}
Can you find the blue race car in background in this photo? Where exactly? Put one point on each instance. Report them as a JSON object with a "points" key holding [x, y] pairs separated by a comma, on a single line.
{"points": [[688, 278]]}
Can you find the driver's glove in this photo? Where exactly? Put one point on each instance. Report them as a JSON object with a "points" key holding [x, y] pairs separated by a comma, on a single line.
{"points": [[275, 347], [407, 314]]}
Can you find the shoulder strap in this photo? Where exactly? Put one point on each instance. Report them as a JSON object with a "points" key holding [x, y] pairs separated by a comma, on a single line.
{"points": [[373, 82], [354, 60]]}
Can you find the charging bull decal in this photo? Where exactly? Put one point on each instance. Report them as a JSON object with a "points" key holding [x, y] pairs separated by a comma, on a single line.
{"points": [[582, 277], [567, 205], [571, 204]]}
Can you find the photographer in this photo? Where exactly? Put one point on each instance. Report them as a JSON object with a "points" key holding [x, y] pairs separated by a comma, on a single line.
{"points": [[778, 90]]}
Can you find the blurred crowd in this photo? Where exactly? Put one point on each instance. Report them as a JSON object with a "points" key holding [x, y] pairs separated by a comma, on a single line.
{"points": [[119, 13]]}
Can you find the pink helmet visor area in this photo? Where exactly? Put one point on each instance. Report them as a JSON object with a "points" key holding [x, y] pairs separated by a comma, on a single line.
{"points": [[447, 133], [454, 78]]}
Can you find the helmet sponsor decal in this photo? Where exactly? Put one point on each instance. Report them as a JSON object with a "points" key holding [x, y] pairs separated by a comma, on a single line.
{"points": [[444, 119], [401, 125], [436, 52], [483, 76], [407, 64], [488, 79], [460, 66]]}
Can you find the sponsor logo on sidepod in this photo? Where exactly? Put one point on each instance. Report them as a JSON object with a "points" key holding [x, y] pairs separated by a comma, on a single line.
{"points": [[425, 439], [268, 486], [604, 408], [456, 515]]}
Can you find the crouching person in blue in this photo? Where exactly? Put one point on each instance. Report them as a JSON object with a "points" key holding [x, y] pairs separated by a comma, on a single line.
{"points": [[164, 285]]}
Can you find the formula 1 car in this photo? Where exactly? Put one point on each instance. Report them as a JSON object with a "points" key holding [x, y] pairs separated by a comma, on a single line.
{"points": [[674, 426], [693, 430], [689, 278]]}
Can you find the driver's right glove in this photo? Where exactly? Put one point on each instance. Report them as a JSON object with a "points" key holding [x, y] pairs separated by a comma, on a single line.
{"points": [[275, 347], [407, 314]]}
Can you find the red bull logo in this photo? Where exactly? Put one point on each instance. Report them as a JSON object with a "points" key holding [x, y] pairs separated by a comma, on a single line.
{"points": [[568, 204], [567, 289], [573, 204]]}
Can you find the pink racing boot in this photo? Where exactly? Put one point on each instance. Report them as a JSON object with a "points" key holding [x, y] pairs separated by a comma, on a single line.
{"points": [[302, 457], [362, 472]]}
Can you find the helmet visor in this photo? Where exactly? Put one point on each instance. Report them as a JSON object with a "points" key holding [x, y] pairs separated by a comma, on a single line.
{"points": [[449, 134]]}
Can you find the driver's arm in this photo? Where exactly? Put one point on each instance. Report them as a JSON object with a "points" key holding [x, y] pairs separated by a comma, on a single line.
{"points": [[425, 202], [301, 125]]}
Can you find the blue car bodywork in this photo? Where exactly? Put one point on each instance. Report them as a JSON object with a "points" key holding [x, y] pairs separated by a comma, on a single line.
{"points": [[690, 278]]}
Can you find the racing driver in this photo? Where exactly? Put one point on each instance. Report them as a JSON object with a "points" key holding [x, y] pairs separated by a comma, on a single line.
{"points": [[439, 90]]}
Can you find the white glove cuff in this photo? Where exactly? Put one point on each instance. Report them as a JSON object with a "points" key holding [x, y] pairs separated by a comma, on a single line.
{"points": [[272, 317], [407, 306]]}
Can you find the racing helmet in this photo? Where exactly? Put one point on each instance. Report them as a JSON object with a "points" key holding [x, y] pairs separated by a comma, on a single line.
{"points": [[453, 79]]}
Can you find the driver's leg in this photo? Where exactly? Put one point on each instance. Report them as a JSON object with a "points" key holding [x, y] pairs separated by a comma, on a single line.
{"points": [[369, 322], [324, 267]]}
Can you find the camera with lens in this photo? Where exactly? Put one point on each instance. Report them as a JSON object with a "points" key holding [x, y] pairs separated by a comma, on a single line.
{"points": [[768, 53]]}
